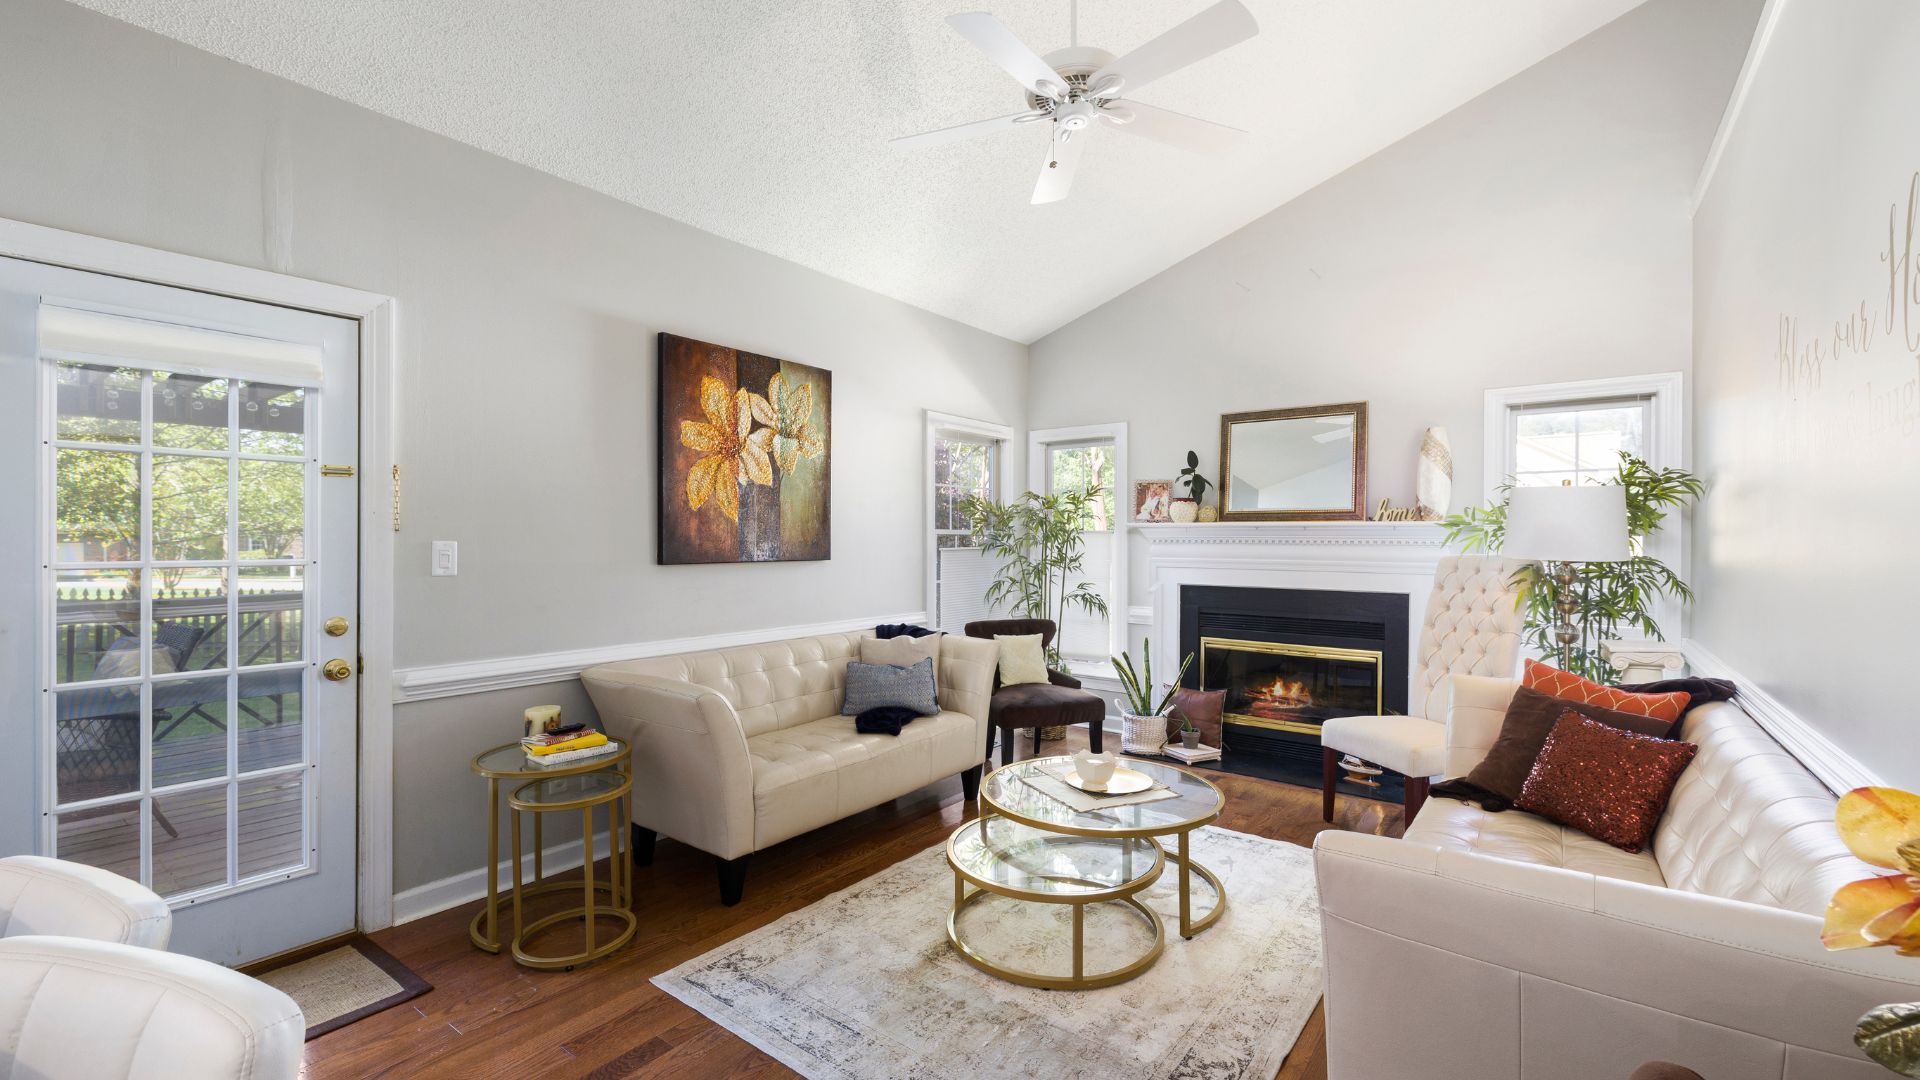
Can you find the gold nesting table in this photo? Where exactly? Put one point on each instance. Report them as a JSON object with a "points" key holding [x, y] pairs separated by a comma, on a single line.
{"points": [[1028, 846], [551, 789]]}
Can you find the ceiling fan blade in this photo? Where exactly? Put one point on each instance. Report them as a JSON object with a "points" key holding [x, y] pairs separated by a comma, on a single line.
{"points": [[992, 37], [1224, 24], [966, 131], [1056, 174], [1172, 128]]}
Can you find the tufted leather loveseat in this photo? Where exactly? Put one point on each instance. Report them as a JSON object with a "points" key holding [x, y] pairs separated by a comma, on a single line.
{"points": [[1472, 627], [735, 750], [1505, 945]]}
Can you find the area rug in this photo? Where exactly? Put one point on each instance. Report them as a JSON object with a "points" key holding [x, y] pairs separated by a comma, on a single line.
{"points": [[344, 984], [863, 985]]}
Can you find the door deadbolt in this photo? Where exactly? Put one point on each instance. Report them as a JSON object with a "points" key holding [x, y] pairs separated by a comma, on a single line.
{"points": [[334, 626], [337, 670]]}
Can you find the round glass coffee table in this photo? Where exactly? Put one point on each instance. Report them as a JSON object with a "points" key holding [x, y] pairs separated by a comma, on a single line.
{"points": [[1001, 857], [1196, 802]]}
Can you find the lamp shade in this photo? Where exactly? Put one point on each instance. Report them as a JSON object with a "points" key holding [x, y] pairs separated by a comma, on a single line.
{"points": [[1567, 524]]}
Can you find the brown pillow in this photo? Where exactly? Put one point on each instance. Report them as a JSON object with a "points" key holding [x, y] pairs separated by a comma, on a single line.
{"points": [[1530, 719], [1612, 785], [1203, 708]]}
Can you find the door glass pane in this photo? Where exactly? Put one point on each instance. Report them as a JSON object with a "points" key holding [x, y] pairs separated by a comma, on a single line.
{"points": [[273, 419], [270, 823], [270, 718], [189, 412], [189, 730], [189, 507], [96, 506], [189, 619], [96, 742], [273, 508], [97, 404], [106, 836], [189, 840], [271, 605], [96, 625]]}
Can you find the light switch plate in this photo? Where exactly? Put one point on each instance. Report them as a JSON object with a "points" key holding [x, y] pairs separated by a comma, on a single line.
{"points": [[446, 558]]}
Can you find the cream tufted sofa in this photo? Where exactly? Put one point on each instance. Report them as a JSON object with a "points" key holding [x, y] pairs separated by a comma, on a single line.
{"points": [[1472, 627], [736, 750], [1506, 946], [94, 1010]]}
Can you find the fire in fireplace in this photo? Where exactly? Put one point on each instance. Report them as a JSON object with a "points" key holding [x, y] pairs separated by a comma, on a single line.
{"points": [[1291, 687]]}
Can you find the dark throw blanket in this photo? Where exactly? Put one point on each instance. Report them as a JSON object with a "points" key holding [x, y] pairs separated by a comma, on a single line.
{"points": [[894, 630], [885, 720]]}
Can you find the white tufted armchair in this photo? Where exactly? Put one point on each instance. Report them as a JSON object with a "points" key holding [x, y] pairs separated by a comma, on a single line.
{"points": [[1472, 627]]}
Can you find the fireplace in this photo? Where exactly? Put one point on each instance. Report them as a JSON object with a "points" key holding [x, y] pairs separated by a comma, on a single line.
{"points": [[1290, 659], [1291, 687]]}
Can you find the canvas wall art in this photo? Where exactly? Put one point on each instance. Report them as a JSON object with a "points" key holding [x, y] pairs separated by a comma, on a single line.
{"points": [[744, 451]]}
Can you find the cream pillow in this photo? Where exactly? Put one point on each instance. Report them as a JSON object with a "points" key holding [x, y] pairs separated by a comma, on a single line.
{"points": [[1022, 659], [900, 651]]}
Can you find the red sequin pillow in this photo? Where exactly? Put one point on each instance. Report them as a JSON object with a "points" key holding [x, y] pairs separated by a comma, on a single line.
{"points": [[1612, 785], [1570, 687]]}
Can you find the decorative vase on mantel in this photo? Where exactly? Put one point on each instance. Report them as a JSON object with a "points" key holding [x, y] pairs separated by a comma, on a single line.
{"points": [[1183, 511], [1209, 513], [1433, 482]]}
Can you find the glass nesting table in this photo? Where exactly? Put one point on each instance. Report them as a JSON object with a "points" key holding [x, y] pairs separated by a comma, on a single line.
{"points": [[509, 763], [1029, 846]]}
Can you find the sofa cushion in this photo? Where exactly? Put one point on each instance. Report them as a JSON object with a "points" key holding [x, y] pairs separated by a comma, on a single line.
{"points": [[811, 774], [902, 651], [1527, 838]]}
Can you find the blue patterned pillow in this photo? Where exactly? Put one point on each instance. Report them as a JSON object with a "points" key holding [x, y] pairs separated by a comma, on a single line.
{"points": [[872, 686]]}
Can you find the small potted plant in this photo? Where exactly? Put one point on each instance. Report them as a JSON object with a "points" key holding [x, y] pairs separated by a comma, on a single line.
{"points": [[1189, 735], [1189, 508], [1143, 720]]}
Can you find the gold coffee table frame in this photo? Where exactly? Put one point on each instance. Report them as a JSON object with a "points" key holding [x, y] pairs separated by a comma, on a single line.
{"points": [[527, 799], [488, 938], [1079, 980], [1182, 829]]}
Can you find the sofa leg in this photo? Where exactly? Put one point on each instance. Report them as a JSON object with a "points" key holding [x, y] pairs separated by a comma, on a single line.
{"points": [[1416, 795], [970, 783], [1329, 776], [643, 839], [733, 880]]}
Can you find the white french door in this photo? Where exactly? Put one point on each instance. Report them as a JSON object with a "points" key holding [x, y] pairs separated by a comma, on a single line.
{"points": [[178, 625]]}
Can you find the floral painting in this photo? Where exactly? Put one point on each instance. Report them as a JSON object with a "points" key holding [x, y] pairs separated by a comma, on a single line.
{"points": [[743, 456]]}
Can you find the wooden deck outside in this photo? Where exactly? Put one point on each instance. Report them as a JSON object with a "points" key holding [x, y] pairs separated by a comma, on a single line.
{"points": [[190, 844]]}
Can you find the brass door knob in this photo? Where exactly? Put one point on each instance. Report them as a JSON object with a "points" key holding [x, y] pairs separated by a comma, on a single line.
{"points": [[337, 670], [334, 626]]}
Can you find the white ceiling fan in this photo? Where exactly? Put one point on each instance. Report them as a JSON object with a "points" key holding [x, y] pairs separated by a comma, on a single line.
{"points": [[1075, 86]]}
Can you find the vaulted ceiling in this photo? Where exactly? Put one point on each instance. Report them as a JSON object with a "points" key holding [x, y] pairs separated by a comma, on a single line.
{"points": [[765, 121]]}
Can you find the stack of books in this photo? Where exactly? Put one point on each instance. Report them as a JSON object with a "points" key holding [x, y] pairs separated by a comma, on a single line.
{"points": [[1193, 756], [565, 747]]}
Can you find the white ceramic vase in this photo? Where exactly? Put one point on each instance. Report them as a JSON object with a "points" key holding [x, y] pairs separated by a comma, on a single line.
{"points": [[1433, 483], [1183, 511]]}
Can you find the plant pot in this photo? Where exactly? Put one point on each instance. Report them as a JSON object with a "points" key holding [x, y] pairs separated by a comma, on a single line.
{"points": [[1209, 513], [1190, 739], [1183, 511], [1142, 734]]}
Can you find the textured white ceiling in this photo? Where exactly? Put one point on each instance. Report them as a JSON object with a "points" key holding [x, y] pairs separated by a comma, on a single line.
{"points": [[765, 121]]}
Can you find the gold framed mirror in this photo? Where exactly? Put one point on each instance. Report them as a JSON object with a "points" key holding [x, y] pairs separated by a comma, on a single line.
{"points": [[1307, 464]]}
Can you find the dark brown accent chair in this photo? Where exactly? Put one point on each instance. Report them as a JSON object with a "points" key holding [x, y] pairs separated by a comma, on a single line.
{"points": [[1055, 703]]}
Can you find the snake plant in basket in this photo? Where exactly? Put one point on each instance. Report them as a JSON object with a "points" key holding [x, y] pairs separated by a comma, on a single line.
{"points": [[1143, 721], [1882, 826]]}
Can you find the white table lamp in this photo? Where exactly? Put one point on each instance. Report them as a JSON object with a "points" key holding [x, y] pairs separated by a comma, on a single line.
{"points": [[1562, 526]]}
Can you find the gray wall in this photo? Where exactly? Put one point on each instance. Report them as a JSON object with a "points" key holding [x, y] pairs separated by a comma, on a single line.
{"points": [[1536, 234], [527, 313], [1803, 548]]}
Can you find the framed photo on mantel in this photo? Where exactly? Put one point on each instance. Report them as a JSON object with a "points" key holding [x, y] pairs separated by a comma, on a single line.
{"points": [[1305, 464], [744, 456]]}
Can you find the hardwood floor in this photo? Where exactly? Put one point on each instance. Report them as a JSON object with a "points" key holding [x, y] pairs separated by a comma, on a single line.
{"points": [[488, 1017]]}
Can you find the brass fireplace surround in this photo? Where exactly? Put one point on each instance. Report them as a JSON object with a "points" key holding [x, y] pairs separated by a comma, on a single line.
{"points": [[1312, 652]]}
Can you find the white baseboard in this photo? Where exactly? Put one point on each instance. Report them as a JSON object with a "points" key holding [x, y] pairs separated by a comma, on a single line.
{"points": [[1834, 767], [505, 672], [437, 896]]}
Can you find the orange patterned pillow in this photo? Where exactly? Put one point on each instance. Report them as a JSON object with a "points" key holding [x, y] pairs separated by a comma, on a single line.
{"points": [[1570, 687]]}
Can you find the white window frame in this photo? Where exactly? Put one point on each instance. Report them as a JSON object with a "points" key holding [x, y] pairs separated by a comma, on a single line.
{"points": [[1667, 447], [1039, 441], [938, 424]]}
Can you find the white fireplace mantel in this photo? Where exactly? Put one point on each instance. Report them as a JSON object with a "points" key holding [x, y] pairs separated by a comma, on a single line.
{"points": [[1347, 556]]}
